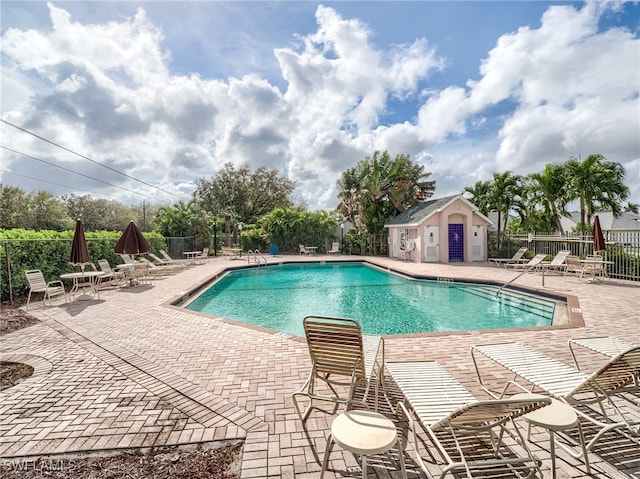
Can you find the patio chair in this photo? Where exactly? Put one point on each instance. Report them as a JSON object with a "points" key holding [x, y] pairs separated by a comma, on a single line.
{"points": [[613, 382], [532, 264], [202, 257], [155, 270], [517, 258], [469, 434], [340, 356], [304, 250], [166, 257], [155, 259], [37, 284], [573, 267], [136, 272], [335, 248], [603, 345], [557, 263], [114, 277]]}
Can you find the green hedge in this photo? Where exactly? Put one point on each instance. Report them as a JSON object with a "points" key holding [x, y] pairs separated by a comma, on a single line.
{"points": [[49, 251]]}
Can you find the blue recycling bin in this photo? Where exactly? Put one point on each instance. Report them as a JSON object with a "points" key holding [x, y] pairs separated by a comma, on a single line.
{"points": [[274, 250]]}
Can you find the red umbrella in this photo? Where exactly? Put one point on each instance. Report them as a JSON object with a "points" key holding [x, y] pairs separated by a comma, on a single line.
{"points": [[598, 237], [79, 251], [131, 241]]}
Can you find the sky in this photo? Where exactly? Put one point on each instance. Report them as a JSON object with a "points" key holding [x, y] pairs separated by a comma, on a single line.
{"points": [[137, 101]]}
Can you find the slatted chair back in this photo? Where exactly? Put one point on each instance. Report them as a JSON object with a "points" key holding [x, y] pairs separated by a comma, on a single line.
{"points": [[105, 266], [620, 372], [36, 280], [335, 345]]}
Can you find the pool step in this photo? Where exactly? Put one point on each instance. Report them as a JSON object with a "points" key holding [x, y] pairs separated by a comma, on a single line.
{"points": [[529, 304]]}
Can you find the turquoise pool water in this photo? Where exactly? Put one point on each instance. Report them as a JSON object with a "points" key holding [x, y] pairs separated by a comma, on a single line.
{"points": [[278, 297]]}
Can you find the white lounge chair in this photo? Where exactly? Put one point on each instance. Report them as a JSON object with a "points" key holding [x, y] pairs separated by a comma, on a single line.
{"points": [[603, 345], [557, 263], [467, 432], [155, 270], [517, 258], [335, 248], [166, 257], [532, 264], [615, 381], [155, 259], [340, 356], [37, 284]]}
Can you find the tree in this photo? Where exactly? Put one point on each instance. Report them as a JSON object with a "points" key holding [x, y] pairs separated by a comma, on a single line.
{"points": [[13, 207], [378, 188], [632, 207], [597, 184], [550, 191], [481, 196], [505, 192], [184, 219], [243, 194], [289, 228], [46, 212]]}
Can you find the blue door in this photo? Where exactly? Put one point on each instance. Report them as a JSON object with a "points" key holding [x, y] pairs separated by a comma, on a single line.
{"points": [[456, 243]]}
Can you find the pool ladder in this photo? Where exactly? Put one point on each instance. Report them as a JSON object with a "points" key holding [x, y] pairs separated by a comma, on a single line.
{"points": [[256, 257]]}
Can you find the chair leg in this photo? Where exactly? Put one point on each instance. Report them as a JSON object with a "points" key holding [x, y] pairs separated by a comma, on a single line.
{"points": [[28, 299], [327, 451]]}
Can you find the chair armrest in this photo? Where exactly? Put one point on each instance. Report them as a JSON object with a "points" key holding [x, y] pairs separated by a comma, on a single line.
{"points": [[58, 282]]}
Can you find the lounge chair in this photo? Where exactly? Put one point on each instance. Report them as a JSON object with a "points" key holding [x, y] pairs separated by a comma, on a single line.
{"points": [[532, 264], [155, 270], [335, 248], [155, 259], [603, 345], [517, 258], [451, 415], [557, 263], [607, 386], [37, 284], [231, 253], [166, 257], [114, 277], [340, 356]]}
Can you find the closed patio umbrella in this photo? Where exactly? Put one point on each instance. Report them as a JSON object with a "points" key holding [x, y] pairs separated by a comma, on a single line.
{"points": [[132, 241], [598, 236], [79, 251]]}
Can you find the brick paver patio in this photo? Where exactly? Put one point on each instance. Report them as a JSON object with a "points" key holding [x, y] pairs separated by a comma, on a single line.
{"points": [[130, 370]]}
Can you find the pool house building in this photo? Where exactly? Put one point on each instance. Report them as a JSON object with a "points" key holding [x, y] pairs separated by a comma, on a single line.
{"points": [[445, 230]]}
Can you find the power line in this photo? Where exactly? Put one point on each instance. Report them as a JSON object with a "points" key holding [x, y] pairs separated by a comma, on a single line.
{"points": [[37, 179], [86, 157], [74, 172]]}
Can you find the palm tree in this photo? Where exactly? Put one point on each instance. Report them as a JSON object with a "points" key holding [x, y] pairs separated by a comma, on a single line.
{"points": [[379, 187], [597, 184], [505, 191], [632, 207], [481, 196], [550, 190]]}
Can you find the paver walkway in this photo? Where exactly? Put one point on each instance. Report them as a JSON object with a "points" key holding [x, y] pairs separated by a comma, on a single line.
{"points": [[130, 370]]}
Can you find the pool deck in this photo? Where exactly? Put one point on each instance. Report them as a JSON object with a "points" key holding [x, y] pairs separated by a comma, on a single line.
{"points": [[131, 371]]}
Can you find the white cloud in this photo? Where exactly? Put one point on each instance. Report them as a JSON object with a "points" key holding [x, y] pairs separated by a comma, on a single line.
{"points": [[107, 90]]}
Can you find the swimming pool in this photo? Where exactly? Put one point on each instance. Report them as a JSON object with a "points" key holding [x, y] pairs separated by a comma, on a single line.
{"points": [[278, 297]]}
